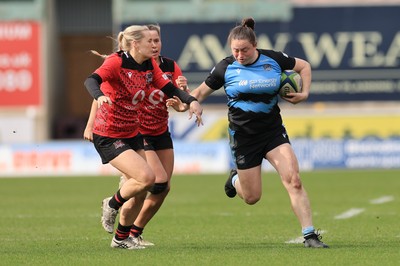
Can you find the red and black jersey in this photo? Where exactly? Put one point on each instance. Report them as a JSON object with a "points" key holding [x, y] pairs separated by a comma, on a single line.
{"points": [[153, 115], [126, 83]]}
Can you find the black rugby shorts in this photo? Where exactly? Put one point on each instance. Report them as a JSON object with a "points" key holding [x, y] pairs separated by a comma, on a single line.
{"points": [[249, 151], [159, 142], [109, 148]]}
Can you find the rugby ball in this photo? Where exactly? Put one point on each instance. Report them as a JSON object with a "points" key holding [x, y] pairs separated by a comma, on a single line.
{"points": [[290, 82]]}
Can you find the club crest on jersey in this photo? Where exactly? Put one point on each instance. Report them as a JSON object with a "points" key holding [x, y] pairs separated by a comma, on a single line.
{"points": [[267, 67], [149, 77]]}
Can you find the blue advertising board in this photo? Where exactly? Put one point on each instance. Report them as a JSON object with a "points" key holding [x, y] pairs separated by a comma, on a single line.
{"points": [[77, 158], [354, 51], [348, 153]]}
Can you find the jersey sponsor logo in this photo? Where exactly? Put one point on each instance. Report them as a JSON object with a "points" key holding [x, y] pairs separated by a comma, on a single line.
{"points": [[263, 83], [243, 82], [156, 97], [138, 97]]}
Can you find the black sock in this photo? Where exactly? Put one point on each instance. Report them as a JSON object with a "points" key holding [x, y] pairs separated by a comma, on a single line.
{"points": [[122, 232], [136, 231], [117, 201]]}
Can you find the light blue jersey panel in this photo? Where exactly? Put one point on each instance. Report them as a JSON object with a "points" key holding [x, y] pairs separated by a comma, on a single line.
{"points": [[254, 87]]}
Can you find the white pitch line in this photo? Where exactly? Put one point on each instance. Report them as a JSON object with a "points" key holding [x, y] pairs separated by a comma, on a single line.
{"points": [[350, 213], [382, 200], [297, 240]]}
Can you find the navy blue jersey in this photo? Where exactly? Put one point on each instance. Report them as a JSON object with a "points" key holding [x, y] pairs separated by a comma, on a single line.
{"points": [[252, 90]]}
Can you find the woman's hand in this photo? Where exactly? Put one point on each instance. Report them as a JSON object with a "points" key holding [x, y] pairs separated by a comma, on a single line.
{"points": [[295, 97], [177, 104], [88, 134], [181, 81], [103, 99], [196, 109]]}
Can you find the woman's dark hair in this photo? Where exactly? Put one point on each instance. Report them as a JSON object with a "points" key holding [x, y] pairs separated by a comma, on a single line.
{"points": [[245, 31]]}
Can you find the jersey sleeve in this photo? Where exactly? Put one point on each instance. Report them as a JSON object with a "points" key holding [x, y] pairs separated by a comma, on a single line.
{"points": [[216, 78], [108, 70], [285, 62], [177, 72]]}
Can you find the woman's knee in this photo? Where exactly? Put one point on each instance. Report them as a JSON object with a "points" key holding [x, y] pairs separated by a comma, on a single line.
{"points": [[145, 179], [292, 181], [148, 181], [251, 199]]}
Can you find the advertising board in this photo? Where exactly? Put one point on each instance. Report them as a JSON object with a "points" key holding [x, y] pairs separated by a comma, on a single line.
{"points": [[20, 64], [354, 50]]}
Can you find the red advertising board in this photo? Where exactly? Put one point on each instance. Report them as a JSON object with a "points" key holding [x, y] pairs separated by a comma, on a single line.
{"points": [[20, 64]]}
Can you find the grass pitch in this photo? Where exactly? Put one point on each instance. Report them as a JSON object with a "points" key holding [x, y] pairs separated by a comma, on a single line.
{"points": [[56, 221]]}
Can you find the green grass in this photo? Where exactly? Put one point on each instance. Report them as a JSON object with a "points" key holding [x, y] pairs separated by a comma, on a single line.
{"points": [[55, 221]]}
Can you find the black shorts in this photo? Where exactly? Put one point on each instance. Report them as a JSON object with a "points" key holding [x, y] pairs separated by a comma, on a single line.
{"points": [[156, 143], [109, 148], [249, 150]]}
